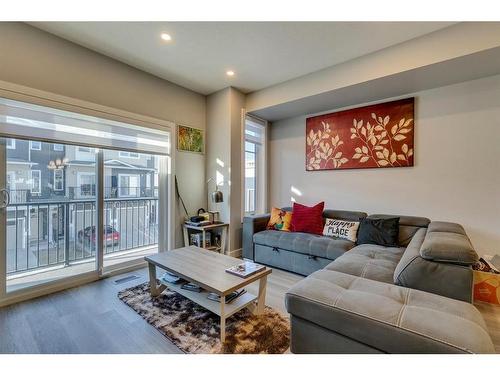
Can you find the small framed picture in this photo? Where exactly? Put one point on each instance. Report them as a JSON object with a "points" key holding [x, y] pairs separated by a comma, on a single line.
{"points": [[190, 139]]}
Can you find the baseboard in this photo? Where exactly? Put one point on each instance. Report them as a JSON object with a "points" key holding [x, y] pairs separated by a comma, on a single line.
{"points": [[48, 288], [236, 253], [125, 268]]}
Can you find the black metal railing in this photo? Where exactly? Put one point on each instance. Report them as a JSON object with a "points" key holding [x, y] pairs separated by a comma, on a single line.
{"points": [[54, 232], [80, 193]]}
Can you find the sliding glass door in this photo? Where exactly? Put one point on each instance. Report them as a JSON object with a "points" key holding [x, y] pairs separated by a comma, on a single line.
{"points": [[48, 210], [131, 206], [79, 195]]}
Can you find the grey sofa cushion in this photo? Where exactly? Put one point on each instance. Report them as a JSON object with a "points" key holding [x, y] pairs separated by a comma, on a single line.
{"points": [[339, 214], [389, 318], [408, 226], [412, 251], [447, 242], [304, 243], [449, 280], [344, 215], [445, 226], [369, 261]]}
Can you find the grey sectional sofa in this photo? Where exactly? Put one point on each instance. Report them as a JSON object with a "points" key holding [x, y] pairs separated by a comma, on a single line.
{"points": [[371, 299], [432, 256]]}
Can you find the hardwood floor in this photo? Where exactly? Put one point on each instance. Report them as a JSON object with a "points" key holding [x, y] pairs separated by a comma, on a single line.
{"points": [[87, 319], [91, 319]]}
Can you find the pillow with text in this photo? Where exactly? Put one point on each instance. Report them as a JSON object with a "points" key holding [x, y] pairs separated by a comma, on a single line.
{"points": [[347, 230]]}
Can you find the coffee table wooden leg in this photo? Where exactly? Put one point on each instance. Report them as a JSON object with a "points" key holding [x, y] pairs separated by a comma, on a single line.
{"points": [[261, 298], [186, 237], [222, 319], [223, 240], [155, 289]]}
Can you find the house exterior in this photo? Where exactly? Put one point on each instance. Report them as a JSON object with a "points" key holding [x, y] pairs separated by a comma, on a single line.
{"points": [[28, 177], [127, 174], [47, 202]]}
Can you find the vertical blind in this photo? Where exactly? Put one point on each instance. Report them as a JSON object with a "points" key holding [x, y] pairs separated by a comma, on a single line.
{"points": [[35, 122]]}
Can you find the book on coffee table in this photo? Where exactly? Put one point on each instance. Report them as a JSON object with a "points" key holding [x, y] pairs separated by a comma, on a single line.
{"points": [[245, 269], [229, 298], [171, 278], [191, 287]]}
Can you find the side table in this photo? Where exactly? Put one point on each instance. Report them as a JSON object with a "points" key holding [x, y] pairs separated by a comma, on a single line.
{"points": [[223, 227]]}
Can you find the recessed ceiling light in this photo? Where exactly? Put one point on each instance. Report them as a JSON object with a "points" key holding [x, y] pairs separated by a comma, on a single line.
{"points": [[166, 37], [230, 73]]}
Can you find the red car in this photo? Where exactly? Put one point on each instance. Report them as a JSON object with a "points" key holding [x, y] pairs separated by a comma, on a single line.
{"points": [[87, 236]]}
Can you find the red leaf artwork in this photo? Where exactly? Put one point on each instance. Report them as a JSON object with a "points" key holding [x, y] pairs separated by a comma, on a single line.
{"points": [[375, 136]]}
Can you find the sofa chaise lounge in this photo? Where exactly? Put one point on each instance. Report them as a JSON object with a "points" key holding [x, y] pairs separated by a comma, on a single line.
{"points": [[370, 298]]}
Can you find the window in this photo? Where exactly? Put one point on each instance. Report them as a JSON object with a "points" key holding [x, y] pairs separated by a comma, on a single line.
{"points": [[58, 179], [11, 181], [85, 154], [86, 184], [128, 185], [11, 143], [250, 200], [36, 182], [250, 177], [130, 155], [58, 147], [255, 172], [35, 145]]}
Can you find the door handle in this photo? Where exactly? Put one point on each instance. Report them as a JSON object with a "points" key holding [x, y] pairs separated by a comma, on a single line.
{"points": [[6, 198]]}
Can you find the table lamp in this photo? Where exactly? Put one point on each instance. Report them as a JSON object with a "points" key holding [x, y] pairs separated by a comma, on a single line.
{"points": [[217, 197]]}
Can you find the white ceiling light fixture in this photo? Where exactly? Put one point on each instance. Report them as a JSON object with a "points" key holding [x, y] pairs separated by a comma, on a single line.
{"points": [[230, 73], [166, 37]]}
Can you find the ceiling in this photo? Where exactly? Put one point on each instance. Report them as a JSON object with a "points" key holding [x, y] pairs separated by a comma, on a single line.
{"points": [[261, 54]]}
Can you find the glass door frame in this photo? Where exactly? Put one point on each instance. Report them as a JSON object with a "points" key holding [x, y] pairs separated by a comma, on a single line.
{"points": [[47, 286], [3, 220], [166, 238], [165, 231], [100, 211]]}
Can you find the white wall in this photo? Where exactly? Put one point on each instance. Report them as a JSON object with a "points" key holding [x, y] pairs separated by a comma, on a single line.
{"points": [[224, 157], [456, 176], [40, 60], [237, 105], [218, 161]]}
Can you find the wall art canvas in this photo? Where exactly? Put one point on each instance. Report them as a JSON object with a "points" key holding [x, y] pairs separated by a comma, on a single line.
{"points": [[375, 136], [190, 139]]}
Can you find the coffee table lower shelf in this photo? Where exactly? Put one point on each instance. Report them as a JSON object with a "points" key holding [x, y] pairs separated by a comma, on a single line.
{"points": [[192, 264], [201, 299]]}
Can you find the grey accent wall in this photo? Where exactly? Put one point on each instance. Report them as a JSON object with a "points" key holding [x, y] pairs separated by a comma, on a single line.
{"points": [[456, 176], [40, 60]]}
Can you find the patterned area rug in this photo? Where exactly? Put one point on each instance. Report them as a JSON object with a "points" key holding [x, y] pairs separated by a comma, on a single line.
{"points": [[196, 330]]}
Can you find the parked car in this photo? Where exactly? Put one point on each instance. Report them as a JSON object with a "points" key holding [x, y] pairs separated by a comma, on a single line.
{"points": [[87, 236]]}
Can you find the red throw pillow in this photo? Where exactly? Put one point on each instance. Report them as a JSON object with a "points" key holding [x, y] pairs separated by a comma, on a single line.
{"points": [[307, 219]]}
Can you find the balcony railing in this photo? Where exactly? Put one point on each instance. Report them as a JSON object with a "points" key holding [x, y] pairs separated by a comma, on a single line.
{"points": [[45, 233], [82, 192]]}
